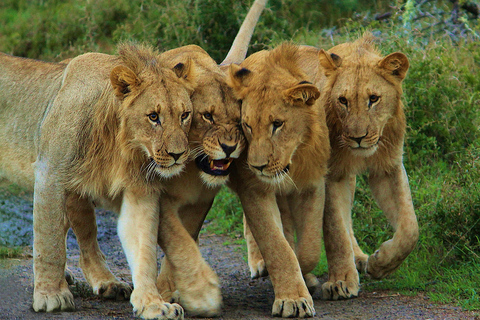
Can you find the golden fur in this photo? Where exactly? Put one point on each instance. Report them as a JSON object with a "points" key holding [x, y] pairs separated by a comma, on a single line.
{"points": [[366, 120], [288, 149], [99, 129], [216, 140], [361, 93]]}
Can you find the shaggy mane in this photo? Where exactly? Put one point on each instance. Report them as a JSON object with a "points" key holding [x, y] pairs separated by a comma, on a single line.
{"points": [[105, 162]]}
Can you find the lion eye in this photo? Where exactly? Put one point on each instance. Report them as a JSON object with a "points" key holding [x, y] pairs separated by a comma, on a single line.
{"points": [[343, 101], [208, 116], [153, 117], [277, 124], [185, 115], [373, 98]]}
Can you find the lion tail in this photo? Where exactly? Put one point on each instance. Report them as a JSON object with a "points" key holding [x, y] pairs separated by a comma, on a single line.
{"points": [[239, 48]]}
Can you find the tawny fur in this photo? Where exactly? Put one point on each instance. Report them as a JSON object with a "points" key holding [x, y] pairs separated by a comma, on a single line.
{"points": [[374, 120], [215, 135], [91, 139], [285, 165], [358, 73]]}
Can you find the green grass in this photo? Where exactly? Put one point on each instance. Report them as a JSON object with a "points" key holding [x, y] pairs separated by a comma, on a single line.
{"points": [[9, 252]]}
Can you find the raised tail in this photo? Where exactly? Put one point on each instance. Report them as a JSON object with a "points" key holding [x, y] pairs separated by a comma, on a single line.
{"points": [[239, 48]]}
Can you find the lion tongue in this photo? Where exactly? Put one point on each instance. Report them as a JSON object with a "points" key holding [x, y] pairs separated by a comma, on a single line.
{"points": [[222, 164]]}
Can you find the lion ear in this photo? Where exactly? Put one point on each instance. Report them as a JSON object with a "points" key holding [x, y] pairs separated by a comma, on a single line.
{"points": [[238, 77], [301, 94], [123, 80], [396, 64], [329, 61], [187, 72]]}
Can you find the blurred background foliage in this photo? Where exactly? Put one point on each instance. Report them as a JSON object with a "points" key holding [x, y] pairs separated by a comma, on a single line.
{"points": [[441, 95]]}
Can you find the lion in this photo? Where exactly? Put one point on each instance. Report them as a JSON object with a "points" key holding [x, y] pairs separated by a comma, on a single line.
{"points": [[367, 125], [361, 93], [99, 130], [216, 141], [285, 167]]}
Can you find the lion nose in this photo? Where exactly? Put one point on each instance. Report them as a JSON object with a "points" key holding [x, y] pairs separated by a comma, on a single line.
{"points": [[260, 168], [228, 149], [176, 156], [357, 139]]}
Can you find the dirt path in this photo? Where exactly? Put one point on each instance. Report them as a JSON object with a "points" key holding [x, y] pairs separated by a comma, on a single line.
{"points": [[243, 299]]}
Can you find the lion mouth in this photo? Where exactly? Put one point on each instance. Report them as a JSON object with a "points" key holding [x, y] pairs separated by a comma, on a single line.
{"points": [[219, 167]]}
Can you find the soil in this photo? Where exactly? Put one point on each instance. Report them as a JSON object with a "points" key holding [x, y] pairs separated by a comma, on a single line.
{"points": [[242, 297]]}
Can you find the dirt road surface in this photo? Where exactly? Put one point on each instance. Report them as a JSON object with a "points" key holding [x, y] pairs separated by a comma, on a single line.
{"points": [[242, 298]]}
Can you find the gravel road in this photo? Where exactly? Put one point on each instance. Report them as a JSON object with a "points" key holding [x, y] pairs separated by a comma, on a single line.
{"points": [[243, 298]]}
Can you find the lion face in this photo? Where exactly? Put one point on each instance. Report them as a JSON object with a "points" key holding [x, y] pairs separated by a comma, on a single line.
{"points": [[156, 117], [277, 114], [216, 136], [365, 95]]}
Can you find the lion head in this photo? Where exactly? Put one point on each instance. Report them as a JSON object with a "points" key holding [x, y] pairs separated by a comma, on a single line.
{"points": [[215, 137], [156, 111], [280, 116], [364, 94]]}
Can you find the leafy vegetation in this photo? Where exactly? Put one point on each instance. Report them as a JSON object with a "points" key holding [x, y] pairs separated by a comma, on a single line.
{"points": [[441, 95]]}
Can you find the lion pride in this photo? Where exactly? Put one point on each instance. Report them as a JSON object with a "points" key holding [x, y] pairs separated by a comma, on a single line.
{"points": [[101, 130], [216, 140], [361, 93]]}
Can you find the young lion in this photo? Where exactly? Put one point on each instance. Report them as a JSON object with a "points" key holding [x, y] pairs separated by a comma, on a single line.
{"points": [[288, 149], [367, 124], [98, 129], [216, 140]]}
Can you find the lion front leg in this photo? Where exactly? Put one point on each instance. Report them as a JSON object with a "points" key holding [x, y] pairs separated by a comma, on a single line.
{"points": [[50, 226], [392, 192], [185, 276], [306, 211], [343, 280], [138, 228], [284, 221], [292, 298], [81, 215]]}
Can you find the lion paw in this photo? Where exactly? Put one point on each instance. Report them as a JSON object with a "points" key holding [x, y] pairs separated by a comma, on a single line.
{"points": [[312, 282], [48, 302], [378, 270], [339, 290], [289, 308], [161, 311], [116, 290], [258, 269], [202, 298], [361, 263]]}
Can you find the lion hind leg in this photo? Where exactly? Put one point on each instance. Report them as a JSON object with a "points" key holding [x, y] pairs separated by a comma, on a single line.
{"points": [[256, 263], [51, 292], [81, 215]]}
